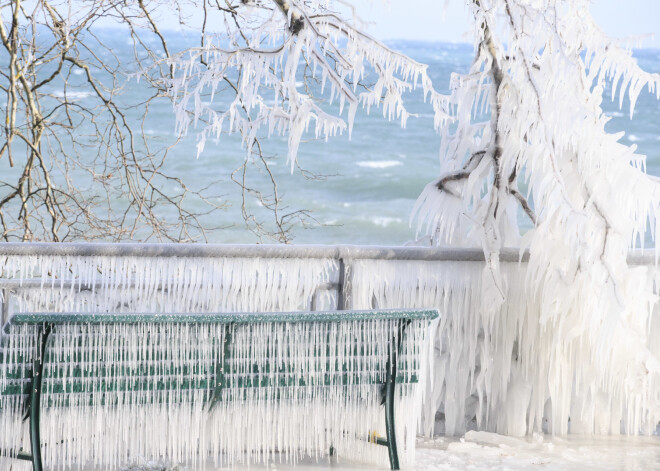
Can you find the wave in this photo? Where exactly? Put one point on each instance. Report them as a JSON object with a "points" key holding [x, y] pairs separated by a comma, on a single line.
{"points": [[378, 163], [385, 221], [71, 95]]}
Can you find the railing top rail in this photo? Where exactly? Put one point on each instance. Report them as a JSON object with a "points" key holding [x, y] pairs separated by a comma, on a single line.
{"points": [[248, 251], [346, 252]]}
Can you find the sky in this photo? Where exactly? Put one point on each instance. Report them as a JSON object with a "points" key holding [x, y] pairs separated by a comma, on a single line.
{"points": [[449, 21], [429, 20]]}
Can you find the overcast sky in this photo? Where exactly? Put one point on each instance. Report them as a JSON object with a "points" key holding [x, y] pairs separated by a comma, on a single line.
{"points": [[424, 19]]}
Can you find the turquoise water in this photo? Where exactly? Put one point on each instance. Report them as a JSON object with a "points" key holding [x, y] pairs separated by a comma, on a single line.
{"points": [[379, 173], [372, 180]]}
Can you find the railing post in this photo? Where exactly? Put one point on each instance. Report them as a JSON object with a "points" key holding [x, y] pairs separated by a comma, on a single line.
{"points": [[341, 290], [5, 306]]}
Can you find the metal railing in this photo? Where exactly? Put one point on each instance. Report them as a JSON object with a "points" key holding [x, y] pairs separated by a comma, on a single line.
{"points": [[337, 252], [343, 254]]}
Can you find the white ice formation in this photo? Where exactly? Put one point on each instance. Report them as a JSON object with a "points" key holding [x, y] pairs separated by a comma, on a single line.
{"points": [[97, 423], [89, 419], [501, 371]]}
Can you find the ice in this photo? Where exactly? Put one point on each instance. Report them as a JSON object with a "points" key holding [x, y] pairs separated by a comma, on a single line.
{"points": [[506, 371], [487, 452], [563, 343], [519, 369], [114, 393], [271, 94], [134, 284]]}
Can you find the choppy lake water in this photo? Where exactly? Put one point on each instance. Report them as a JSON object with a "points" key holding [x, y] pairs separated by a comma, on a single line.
{"points": [[372, 179]]}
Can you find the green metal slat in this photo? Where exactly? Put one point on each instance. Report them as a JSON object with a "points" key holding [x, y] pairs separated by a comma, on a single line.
{"points": [[111, 398], [165, 368], [328, 380], [177, 383], [14, 389], [220, 318], [86, 370], [128, 385]]}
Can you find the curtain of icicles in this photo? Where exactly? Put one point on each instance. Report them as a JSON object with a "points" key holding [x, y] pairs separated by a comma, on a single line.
{"points": [[301, 422], [515, 371], [173, 413], [168, 284]]}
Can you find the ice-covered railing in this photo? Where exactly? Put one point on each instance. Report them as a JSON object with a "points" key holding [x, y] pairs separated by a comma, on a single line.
{"points": [[190, 278], [497, 371]]}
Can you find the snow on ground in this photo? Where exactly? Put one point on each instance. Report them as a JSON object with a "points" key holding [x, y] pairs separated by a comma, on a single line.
{"points": [[481, 451]]}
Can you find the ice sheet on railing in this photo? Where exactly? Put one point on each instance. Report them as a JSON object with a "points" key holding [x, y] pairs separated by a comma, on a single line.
{"points": [[168, 284], [521, 368]]}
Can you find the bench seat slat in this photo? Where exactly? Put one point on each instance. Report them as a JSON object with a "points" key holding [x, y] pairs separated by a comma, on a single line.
{"points": [[221, 318]]}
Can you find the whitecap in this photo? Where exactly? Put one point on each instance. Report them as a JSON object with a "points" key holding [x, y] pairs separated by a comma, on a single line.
{"points": [[378, 163], [385, 221], [70, 95], [633, 138]]}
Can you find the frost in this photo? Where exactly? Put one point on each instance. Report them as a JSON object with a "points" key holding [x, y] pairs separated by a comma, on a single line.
{"points": [[267, 73], [113, 393], [144, 284], [565, 338]]}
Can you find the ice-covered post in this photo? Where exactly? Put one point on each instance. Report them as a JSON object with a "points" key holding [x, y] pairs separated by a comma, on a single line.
{"points": [[5, 306]]}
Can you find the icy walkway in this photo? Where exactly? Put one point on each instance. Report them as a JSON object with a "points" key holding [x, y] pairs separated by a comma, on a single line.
{"points": [[481, 451]]}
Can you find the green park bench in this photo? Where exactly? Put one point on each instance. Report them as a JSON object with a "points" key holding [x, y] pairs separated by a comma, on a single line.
{"points": [[237, 387]]}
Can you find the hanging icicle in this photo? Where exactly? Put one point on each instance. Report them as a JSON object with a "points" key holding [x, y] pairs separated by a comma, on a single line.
{"points": [[230, 393], [167, 284]]}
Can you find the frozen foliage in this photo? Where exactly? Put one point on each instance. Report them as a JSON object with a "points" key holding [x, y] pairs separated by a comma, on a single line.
{"points": [[287, 62], [569, 334], [113, 394]]}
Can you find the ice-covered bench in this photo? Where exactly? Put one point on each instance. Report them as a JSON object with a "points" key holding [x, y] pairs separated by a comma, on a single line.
{"points": [[106, 389]]}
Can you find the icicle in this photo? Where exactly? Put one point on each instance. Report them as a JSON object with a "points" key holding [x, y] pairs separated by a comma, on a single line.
{"points": [[113, 393], [165, 284]]}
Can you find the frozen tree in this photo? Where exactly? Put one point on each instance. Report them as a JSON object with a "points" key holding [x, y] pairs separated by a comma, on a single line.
{"points": [[285, 68], [526, 163], [526, 145], [73, 143]]}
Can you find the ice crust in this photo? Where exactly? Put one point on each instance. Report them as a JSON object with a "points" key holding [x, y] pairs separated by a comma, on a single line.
{"points": [[98, 424], [510, 371]]}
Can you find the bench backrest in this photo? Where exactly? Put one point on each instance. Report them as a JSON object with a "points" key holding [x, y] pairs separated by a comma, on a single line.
{"points": [[182, 368]]}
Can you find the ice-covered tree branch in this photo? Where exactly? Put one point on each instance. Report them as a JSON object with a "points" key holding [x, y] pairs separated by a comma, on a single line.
{"points": [[298, 70], [532, 100]]}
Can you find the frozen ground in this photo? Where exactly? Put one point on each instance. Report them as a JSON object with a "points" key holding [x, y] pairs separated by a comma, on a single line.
{"points": [[479, 451]]}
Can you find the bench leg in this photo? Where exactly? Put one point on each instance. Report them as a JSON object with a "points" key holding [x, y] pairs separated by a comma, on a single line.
{"points": [[389, 418], [35, 402]]}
